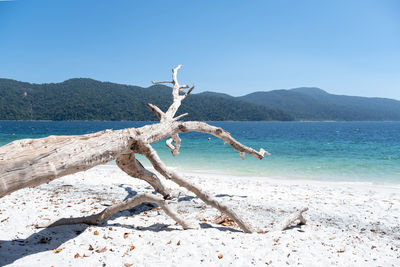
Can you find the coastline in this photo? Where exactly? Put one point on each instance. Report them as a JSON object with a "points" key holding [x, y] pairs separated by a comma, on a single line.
{"points": [[348, 223]]}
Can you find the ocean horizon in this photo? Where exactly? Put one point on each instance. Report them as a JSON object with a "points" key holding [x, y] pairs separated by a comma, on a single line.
{"points": [[316, 150]]}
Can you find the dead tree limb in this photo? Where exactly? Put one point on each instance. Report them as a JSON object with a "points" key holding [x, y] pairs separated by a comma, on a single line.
{"points": [[131, 166], [155, 160], [31, 162], [124, 205]]}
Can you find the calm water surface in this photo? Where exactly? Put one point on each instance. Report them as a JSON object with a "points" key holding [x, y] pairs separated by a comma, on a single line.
{"points": [[339, 151]]}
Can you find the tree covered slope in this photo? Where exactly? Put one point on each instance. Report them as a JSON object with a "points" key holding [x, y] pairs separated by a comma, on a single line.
{"points": [[87, 99]]}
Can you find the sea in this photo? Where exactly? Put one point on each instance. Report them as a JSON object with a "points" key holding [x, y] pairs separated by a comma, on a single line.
{"points": [[327, 151]]}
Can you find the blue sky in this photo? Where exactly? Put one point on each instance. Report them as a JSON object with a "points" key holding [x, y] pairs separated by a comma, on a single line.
{"points": [[235, 47]]}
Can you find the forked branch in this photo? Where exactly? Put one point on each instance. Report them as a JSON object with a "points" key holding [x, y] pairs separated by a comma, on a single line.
{"points": [[177, 98], [195, 126]]}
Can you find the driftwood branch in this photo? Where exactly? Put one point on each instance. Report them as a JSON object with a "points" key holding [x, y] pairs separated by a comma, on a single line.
{"points": [[31, 162], [156, 110], [180, 116], [153, 82], [177, 144], [127, 204], [188, 92], [131, 166], [155, 160]]}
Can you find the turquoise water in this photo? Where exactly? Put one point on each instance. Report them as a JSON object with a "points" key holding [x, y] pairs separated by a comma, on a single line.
{"points": [[338, 151]]}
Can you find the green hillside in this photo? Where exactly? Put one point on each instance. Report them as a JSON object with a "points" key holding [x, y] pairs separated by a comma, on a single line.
{"points": [[87, 99]]}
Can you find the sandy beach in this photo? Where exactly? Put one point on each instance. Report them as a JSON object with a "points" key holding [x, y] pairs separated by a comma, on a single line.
{"points": [[348, 224]]}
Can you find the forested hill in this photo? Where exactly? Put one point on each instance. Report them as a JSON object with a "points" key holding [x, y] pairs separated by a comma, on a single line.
{"points": [[309, 103], [87, 99]]}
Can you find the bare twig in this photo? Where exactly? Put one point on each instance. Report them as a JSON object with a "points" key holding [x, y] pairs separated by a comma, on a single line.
{"points": [[153, 82], [180, 116]]}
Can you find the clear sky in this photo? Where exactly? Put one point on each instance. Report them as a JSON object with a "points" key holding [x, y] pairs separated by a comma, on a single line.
{"points": [[236, 47]]}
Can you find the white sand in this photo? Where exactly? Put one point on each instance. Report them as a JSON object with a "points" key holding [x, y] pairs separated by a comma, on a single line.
{"points": [[349, 224]]}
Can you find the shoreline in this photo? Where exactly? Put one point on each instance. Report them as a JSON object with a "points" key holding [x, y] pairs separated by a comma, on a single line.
{"points": [[276, 179], [347, 224]]}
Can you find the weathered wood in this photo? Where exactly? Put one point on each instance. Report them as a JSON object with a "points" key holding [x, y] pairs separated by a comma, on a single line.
{"points": [[291, 219], [131, 166], [31, 162], [207, 198], [127, 204]]}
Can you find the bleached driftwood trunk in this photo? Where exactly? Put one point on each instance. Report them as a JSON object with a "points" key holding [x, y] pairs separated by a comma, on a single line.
{"points": [[31, 162]]}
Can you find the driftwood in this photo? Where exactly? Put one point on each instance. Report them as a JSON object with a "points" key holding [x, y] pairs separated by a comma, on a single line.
{"points": [[31, 162], [292, 219], [127, 204]]}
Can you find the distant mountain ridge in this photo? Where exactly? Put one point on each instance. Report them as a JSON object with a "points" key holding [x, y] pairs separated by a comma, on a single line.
{"points": [[310, 103], [88, 99]]}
